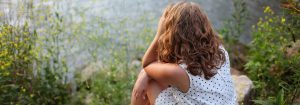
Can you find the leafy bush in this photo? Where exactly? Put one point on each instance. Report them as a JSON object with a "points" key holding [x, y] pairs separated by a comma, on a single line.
{"points": [[110, 86], [20, 82], [233, 29], [274, 71], [36, 59], [112, 82]]}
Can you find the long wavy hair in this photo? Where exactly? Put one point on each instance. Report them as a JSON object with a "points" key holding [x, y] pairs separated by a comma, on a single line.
{"points": [[190, 38]]}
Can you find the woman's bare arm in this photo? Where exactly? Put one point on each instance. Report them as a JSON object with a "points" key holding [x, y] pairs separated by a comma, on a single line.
{"points": [[151, 54], [168, 74]]}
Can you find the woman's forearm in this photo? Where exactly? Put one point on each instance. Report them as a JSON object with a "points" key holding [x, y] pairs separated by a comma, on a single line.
{"points": [[163, 73], [151, 54]]}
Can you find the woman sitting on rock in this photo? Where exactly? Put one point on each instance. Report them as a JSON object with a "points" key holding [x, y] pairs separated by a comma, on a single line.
{"points": [[186, 63]]}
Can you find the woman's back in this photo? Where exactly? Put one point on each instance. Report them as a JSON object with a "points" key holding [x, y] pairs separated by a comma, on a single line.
{"points": [[218, 90], [186, 37]]}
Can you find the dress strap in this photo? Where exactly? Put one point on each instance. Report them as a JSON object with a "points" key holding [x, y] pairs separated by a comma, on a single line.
{"points": [[184, 66]]}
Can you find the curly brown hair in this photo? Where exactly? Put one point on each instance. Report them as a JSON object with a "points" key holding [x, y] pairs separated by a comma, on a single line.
{"points": [[189, 38]]}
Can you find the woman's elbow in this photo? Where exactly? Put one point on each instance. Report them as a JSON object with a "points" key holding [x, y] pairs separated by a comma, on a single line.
{"points": [[158, 75]]}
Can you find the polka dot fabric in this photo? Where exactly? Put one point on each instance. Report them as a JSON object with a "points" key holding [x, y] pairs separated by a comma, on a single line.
{"points": [[218, 90]]}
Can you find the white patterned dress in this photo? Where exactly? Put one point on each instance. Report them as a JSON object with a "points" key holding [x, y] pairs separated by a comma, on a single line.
{"points": [[218, 90]]}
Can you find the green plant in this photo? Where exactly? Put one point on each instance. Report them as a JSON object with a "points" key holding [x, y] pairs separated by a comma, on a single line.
{"points": [[16, 52], [20, 83], [33, 70], [110, 86], [233, 29], [112, 83], [277, 100], [40, 69], [234, 25], [275, 72]]}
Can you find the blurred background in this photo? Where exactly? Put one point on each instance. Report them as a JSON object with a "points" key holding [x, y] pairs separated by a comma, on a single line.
{"points": [[89, 51]]}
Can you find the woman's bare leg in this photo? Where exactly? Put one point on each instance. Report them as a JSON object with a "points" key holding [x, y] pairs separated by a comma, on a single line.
{"points": [[139, 101], [153, 90]]}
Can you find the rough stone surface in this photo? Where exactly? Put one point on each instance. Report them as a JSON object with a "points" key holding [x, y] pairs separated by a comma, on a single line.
{"points": [[243, 86], [89, 70]]}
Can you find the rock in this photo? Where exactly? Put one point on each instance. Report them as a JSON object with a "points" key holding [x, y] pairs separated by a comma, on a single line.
{"points": [[294, 49], [243, 86], [89, 98], [136, 63], [89, 70], [275, 71], [297, 100]]}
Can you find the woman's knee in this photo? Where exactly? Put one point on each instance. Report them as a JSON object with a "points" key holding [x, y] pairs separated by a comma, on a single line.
{"points": [[153, 91]]}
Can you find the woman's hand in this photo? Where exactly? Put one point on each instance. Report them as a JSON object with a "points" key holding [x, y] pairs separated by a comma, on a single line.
{"points": [[140, 87]]}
